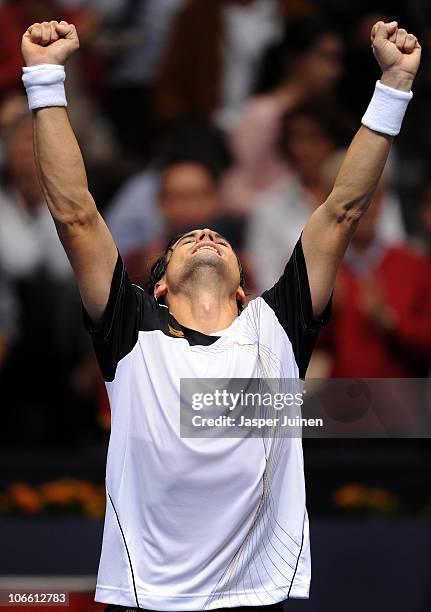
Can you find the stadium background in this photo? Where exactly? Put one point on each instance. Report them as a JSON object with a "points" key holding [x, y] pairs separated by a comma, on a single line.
{"points": [[232, 115]]}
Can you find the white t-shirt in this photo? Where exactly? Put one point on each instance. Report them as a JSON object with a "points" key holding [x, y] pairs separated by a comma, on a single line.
{"points": [[201, 523]]}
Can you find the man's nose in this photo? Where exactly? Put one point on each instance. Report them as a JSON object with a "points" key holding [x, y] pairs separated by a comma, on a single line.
{"points": [[207, 234]]}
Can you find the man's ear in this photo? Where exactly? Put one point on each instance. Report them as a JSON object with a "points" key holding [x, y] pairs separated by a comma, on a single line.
{"points": [[160, 290], [240, 295]]}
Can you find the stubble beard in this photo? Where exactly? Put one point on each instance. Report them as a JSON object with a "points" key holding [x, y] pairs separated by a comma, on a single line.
{"points": [[203, 272]]}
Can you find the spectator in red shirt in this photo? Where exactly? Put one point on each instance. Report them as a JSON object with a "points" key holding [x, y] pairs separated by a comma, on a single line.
{"points": [[381, 326]]}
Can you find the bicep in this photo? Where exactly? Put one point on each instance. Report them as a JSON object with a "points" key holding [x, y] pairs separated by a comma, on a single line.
{"points": [[325, 239], [93, 254]]}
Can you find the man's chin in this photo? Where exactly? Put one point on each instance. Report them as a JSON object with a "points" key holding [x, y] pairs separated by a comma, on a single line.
{"points": [[206, 256], [205, 262]]}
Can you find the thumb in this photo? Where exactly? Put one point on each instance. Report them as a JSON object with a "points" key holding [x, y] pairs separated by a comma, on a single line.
{"points": [[382, 31]]}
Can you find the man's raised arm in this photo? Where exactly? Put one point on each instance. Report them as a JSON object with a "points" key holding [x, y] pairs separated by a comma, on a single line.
{"points": [[82, 231], [330, 228]]}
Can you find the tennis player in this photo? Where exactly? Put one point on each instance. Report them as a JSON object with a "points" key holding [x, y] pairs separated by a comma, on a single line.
{"points": [[195, 523]]}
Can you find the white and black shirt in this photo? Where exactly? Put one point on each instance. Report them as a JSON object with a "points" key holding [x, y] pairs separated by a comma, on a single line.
{"points": [[201, 523]]}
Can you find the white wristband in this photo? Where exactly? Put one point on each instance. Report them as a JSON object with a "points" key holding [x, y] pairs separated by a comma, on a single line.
{"points": [[44, 85], [386, 110]]}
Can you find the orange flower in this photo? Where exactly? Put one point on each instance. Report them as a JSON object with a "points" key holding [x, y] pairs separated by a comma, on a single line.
{"points": [[84, 490], [349, 496], [66, 494], [381, 499], [359, 497], [25, 498], [56, 494]]}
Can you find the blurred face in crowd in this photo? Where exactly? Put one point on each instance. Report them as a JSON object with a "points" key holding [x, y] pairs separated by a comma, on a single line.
{"points": [[20, 164], [307, 146], [198, 257], [320, 67], [188, 196]]}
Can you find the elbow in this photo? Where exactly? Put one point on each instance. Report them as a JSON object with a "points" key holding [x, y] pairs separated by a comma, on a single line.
{"points": [[347, 210], [74, 213]]}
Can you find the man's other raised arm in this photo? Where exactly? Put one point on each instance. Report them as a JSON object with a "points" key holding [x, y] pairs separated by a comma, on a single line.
{"points": [[330, 228], [86, 239]]}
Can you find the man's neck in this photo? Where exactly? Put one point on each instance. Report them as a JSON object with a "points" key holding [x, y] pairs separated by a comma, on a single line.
{"points": [[207, 312]]}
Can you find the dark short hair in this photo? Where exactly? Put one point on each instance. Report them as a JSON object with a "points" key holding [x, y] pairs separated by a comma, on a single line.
{"points": [[159, 267]]}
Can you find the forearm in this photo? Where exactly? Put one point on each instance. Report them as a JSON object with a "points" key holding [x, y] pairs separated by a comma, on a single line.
{"points": [[365, 160], [359, 175], [330, 228], [61, 167]]}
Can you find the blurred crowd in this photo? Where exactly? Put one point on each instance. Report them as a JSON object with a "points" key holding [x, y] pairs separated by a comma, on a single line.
{"points": [[229, 114]]}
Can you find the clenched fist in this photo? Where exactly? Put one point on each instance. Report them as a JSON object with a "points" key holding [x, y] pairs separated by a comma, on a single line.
{"points": [[397, 52], [50, 42]]}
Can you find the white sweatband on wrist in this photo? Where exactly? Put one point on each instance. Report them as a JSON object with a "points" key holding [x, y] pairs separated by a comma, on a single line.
{"points": [[44, 85], [386, 110]]}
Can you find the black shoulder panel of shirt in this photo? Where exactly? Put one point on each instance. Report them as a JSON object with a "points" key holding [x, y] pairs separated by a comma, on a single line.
{"points": [[290, 299], [131, 310]]}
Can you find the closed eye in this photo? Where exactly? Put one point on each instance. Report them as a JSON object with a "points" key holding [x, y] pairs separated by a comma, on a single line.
{"points": [[186, 240]]}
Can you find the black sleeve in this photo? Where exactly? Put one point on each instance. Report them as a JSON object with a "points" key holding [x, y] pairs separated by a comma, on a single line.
{"points": [[117, 333], [290, 299]]}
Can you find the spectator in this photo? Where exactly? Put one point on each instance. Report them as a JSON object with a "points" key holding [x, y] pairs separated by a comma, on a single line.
{"points": [[12, 106], [28, 239], [310, 134], [216, 47], [133, 216], [133, 43], [305, 65], [188, 198], [381, 326], [46, 298]]}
